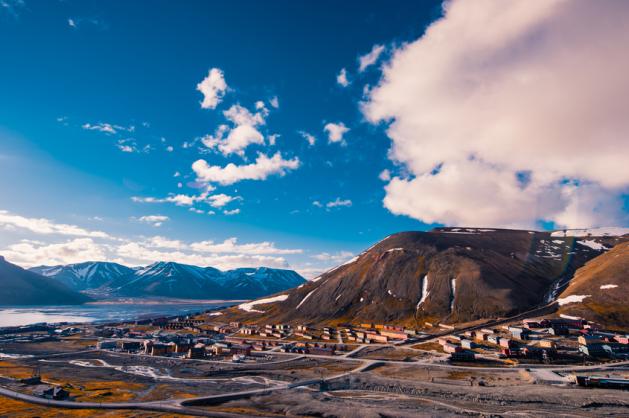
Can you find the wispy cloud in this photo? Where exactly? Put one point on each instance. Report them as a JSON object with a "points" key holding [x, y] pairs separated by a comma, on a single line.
{"points": [[231, 212], [231, 245], [107, 128], [155, 220], [338, 257], [77, 22], [336, 203], [177, 199], [274, 102], [369, 59], [45, 226], [311, 139], [12, 7]]}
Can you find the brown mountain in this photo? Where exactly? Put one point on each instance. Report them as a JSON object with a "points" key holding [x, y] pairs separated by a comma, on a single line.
{"points": [[23, 287], [448, 274], [602, 287]]}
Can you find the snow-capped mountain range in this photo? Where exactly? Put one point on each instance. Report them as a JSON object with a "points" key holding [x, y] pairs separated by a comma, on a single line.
{"points": [[169, 279]]}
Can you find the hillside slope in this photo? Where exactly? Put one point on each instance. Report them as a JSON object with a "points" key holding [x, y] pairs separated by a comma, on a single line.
{"points": [[448, 274], [23, 287], [599, 290]]}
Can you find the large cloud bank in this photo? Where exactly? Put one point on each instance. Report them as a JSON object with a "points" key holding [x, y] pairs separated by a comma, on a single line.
{"points": [[506, 114]]}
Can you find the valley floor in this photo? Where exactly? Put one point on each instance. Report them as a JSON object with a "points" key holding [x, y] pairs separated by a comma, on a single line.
{"points": [[370, 381]]}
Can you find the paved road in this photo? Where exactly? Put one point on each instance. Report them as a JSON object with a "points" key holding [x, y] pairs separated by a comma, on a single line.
{"points": [[431, 363], [208, 400], [293, 357], [146, 406], [440, 362], [549, 377]]}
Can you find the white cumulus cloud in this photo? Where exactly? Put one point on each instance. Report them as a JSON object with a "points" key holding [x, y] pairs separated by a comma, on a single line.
{"points": [[262, 168], [240, 115], [335, 131], [505, 116], [244, 133], [28, 253], [341, 78], [221, 199], [213, 88]]}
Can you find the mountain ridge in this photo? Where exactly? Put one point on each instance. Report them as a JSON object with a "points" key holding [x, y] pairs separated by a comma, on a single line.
{"points": [[22, 287], [171, 279], [451, 275]]}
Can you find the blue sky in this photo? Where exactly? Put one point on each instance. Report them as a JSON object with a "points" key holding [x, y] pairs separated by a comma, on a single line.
{"points": [[297, 134], [137, 65]]}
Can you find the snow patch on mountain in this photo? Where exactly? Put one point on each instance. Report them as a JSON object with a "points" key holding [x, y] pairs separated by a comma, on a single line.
{"points": [[452, 295], [594, 232], [572, 299], [593, 245], [248, 306], [425, 292], [305, 298]]}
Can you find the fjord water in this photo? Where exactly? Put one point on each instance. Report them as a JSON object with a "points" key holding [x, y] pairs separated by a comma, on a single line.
{"points": [[101, 312]]}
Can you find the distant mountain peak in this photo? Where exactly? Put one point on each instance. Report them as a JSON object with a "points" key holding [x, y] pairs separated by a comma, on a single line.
{"points": [[172, 279]]}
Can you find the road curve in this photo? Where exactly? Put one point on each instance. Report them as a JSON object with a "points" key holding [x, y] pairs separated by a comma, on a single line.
{"points": [[163, 406]]}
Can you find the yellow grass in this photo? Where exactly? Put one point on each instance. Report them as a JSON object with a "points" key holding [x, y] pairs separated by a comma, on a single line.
{"points": [[104, 391], [432, 346], [17, 409], [161, 392], [13, 370]]}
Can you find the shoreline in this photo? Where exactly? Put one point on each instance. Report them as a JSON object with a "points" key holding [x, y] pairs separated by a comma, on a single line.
{"points": [[160, 301], [123, 311]]}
